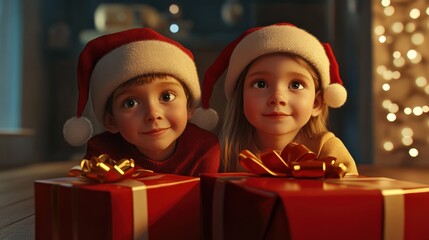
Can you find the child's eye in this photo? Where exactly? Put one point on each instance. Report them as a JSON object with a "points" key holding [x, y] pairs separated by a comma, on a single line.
{"points": [[260, 84], [296, 85], [130, 103], [167, 96]]}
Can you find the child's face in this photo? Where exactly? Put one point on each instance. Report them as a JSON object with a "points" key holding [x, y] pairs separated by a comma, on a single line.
{"points": [[151, 116], [279, 96]]}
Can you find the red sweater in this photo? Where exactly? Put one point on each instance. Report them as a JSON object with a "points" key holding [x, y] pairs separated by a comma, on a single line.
{"points": [[197, 151]]}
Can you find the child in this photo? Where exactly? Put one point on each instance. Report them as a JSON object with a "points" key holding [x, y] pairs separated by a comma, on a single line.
{"points": [[144, 88], [279, 83]]}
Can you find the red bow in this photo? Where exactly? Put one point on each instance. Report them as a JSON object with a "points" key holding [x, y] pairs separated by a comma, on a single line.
{"points": [[296, 160], [105, 169]]}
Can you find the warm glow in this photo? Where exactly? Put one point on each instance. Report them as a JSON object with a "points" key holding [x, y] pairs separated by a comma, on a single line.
{"points": [[174, 9], [410, 27], [386, 87], [381, 69], [421, 81], [388, 146], [414, 13], [389, 11], [379, 30], [396, 75], [391, 117], [417, 111], [397, 27], [407, 111], [387, 103], [411, 54], [387, 75], [407, 140], [399, 62], [386, 3], [413, 152], [417, 59], [397, 54], [417, 39], [393, 108], [407, 132], [401, 80]]}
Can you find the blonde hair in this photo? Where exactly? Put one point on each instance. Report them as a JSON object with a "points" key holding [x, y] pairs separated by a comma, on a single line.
{"points": [[236, 133]]}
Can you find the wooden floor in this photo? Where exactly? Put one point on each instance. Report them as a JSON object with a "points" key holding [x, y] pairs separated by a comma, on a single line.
{"points": [[17, 196]]}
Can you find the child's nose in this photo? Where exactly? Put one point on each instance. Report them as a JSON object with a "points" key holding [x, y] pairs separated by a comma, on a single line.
{"points": [[152, 112], [277, 97]]}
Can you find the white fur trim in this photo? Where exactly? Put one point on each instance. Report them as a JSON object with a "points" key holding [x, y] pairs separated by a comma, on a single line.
{"points": [[272, 39], [205, 118], [77, 131], [138, 58], [335, 95]]}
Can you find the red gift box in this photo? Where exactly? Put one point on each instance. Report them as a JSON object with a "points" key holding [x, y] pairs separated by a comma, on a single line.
{"points": [[158, 206], [286, 208]]}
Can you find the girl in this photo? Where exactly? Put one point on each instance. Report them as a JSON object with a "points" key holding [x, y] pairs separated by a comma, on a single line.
{"points": [[279, 83], [144, 88]]}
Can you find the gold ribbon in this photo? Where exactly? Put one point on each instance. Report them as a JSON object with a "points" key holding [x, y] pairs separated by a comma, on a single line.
{"points": [[296, 160], [106, 170]]}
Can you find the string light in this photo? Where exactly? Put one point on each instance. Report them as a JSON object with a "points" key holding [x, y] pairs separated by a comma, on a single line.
{"points": [[174, 9], [385, 3], [388, 146], [413, 152], [401, 81], [421, 81], [174, 28], [386, 87], [417, 39], [397, 27], [389, 11]]}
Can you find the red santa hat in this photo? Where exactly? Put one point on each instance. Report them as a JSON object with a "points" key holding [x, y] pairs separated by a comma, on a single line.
{"points": [[110, 60], [255, 42]]}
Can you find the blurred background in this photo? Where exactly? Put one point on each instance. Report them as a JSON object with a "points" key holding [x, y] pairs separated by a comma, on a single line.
{"points": [[381, 47]]}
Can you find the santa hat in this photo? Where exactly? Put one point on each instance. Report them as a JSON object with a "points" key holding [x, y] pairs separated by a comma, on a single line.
{"points": [[110, 60], [255, 42]]}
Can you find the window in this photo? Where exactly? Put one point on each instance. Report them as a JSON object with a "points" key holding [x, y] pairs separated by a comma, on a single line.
{"points": [[10, 64]]}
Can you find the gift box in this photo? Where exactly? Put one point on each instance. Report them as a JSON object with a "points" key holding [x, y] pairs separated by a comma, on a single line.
{"points": [[156, 206], [246, 207]]}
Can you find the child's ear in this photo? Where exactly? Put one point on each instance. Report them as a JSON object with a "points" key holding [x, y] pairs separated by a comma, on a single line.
{"points": [[190, 113], [109, 123], [318, 104]]}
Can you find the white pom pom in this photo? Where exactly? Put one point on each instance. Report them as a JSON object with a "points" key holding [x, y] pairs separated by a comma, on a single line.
{"points": [[77, 131], [335, 95], [205, 118]]}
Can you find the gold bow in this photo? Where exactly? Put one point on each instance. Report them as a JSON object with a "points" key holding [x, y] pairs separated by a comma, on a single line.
{"points": [[296, 160], [105, 169]]}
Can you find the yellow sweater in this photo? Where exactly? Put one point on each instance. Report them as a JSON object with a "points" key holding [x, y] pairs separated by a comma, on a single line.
{"points": [[326, 144]]}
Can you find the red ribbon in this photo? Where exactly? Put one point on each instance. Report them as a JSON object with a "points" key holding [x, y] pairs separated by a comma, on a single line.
{"points": [[296, 160], [105, 169]]}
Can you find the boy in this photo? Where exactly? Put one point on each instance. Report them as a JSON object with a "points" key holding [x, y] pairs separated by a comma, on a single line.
{"points": [[144, 89]]}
